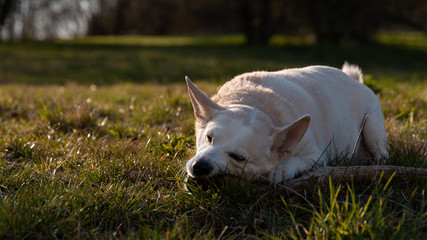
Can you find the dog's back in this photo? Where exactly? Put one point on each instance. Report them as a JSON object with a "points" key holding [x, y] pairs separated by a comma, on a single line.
{"points": [[336, 102]]}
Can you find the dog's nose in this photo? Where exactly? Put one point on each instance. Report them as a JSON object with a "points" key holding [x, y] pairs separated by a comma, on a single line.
{"points": [[202, 168]]}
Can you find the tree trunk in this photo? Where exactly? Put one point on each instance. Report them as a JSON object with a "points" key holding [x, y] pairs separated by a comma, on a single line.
{"points": [[6, 7], [256, 20]]}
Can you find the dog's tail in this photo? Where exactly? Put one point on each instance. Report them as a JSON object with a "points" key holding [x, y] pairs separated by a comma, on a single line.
{"points": [[353, 71]]}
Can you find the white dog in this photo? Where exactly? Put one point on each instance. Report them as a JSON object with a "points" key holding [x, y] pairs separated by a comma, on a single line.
{"points": [[278, 124]]}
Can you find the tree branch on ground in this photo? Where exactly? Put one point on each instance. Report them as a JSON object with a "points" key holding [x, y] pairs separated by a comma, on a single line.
{"points": [[343, 174]]}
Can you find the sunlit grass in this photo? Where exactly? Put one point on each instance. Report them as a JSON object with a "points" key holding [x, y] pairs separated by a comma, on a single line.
{"points": [[82, 160], [416, 39], [159, 41], [91, 160]]}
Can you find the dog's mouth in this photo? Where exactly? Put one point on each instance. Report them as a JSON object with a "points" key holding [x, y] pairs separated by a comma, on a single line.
{"points": [[203, 183], [223, 182]]}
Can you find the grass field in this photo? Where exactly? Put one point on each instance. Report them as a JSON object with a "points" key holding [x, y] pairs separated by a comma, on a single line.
{"points": [[95, 132]]}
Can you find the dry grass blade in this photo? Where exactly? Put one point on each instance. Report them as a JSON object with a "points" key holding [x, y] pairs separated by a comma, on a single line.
{"points": [[353, 153]]}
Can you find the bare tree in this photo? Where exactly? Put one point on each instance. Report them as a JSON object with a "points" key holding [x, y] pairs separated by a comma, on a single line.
{"points": [[45, 19]]}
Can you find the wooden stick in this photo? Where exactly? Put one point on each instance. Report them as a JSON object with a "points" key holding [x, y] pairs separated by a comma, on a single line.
{"points": [[371, 172]]}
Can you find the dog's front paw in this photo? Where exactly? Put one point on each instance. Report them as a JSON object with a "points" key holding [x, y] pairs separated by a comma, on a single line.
{"points": [[281, 173], [288, 169]]}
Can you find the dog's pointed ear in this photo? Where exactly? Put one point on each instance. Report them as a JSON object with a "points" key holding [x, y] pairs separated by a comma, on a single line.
{"points": [[204, 108], [286, 138]]}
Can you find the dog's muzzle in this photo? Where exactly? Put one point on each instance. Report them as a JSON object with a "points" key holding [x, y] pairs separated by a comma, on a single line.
{"points": [[201, 168]]}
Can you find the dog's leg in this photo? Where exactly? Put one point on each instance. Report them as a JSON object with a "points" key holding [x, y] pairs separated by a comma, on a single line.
{"points": [[289, 168], [375, 137]]}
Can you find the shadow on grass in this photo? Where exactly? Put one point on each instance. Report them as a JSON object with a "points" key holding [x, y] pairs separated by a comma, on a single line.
{"points": [[108, 63]]}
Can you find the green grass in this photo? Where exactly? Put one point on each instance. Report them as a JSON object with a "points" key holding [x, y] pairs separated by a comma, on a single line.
{"points": [[94, 135], [106, 60]]}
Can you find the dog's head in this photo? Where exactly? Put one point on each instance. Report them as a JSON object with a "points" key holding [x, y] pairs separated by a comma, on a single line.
{"points": [[238, 139]]}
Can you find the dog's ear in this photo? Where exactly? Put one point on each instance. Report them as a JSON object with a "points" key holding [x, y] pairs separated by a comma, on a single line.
{"points": [[286, 138], [204, 108]]}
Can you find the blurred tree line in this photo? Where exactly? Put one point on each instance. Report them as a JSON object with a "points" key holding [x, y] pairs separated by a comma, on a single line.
{"points": [[45, 19], [330, 21]]}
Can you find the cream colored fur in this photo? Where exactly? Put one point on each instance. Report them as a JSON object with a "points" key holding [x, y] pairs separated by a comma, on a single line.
{"points": [[278, 124]]}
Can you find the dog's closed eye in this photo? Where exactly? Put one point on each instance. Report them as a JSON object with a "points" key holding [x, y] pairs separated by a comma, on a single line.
{"points": [[237, 157], [209, 137]]}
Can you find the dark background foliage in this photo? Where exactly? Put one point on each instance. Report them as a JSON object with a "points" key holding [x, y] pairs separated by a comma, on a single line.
{"points": [[327, 21]]}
